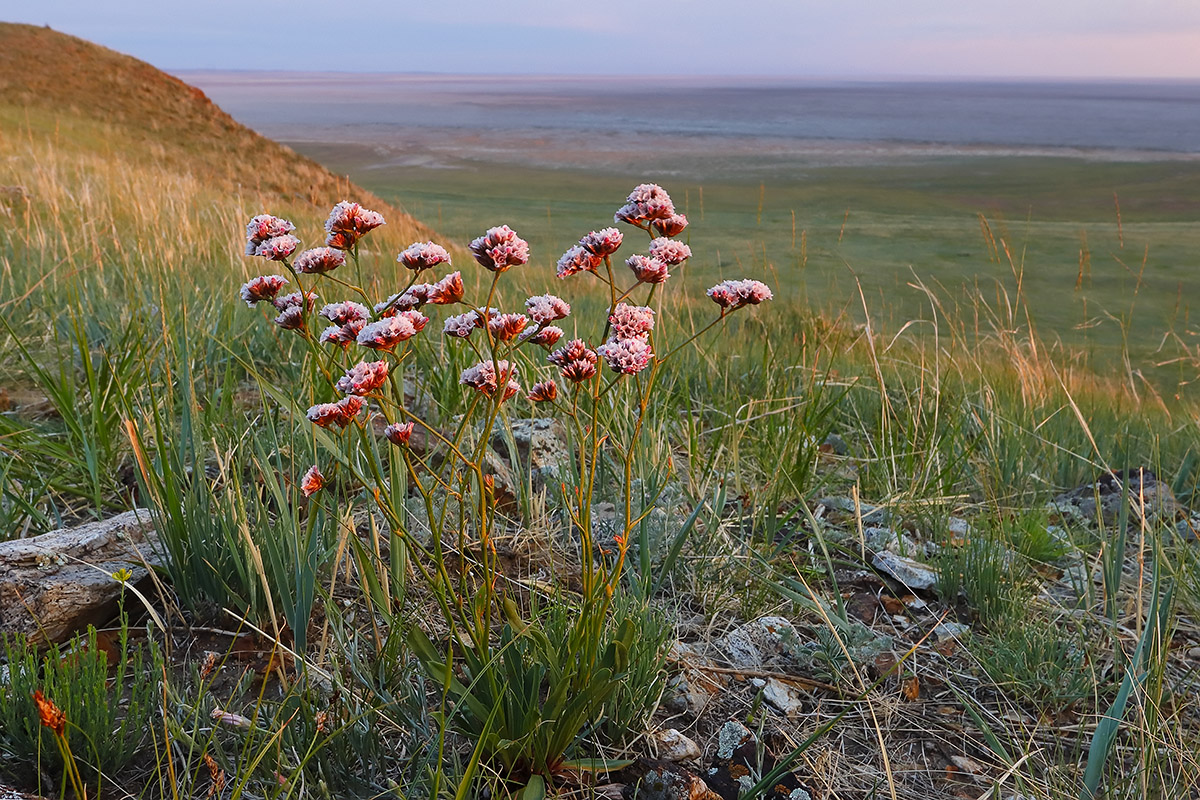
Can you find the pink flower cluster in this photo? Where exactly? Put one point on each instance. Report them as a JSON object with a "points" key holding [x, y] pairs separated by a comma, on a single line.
{"points": [[348, 222], [648, 269], [603, 242], [547, 336], [264, 287], [398, 433], [543, 392], [270, 237], [499, 249], [575, 361], [292, 308], [363, 378], [628, 350], [336, 414], [487, 376], [577, 259], [631, 322], [669, 251], [386, 333], [348, 319], [544, 308], [319, 260], [506, 327], [312, 482], [448, 290], [735, 294], [423, 255], [649, 204]]}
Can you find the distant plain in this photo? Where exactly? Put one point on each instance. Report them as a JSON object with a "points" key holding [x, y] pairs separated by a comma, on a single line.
{"points": [[1084, 195]]}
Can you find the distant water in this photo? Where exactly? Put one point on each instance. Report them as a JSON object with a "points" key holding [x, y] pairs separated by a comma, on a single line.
{"points": [[557, 121]]}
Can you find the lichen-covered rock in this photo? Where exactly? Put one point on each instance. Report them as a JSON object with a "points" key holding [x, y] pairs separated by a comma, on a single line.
{"points": [[766, 640], [662, 780]]}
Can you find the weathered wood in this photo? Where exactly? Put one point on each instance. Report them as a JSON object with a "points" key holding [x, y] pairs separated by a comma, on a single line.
{"points": [[56, 584]]}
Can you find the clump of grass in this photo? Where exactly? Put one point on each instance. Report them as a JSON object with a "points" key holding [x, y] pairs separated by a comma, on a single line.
{"points": [[107, 695]]}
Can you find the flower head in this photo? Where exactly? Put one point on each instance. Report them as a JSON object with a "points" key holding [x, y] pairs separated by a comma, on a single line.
{"points": [[344, 334], [669, 251], [545, 308], [341, 313], [312, 482], [506, 327], [646, 203], [647, 269], [277, 248], [603, 242], [399, 433], [575, 360], [423, 255], [626, 356], [577, 259], [447, 291], [631, 322], [461, 325], [411, 298], [671, 226], [339, 413], [319, 260], [735, 294], [547, 336], [231, 719], [390, 331], [51, 716], [306, 299], [487, 376], [543, 392], [291, 318], [264, 287], [264, 227], [499, 249], [348, 222], [363, 378]]}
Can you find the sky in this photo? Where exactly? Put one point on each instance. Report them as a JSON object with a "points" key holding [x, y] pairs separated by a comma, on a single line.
{"points": [[785, 38]]}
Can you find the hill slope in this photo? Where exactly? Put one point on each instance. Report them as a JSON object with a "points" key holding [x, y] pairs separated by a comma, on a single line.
{"points": [[92, 99]]}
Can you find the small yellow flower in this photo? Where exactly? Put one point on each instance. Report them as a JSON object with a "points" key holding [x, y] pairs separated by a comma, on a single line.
{"points": [[122, 575]]}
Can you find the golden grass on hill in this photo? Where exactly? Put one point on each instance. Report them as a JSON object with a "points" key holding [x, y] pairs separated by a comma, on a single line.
{"points": [[82, 96]]}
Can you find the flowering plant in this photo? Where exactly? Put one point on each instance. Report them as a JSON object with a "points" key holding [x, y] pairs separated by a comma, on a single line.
{"points": [[524, 695]]}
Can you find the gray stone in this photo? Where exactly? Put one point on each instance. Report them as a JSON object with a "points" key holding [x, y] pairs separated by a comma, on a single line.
{"points": [[951, 630], [907, 571], [766, 640], [783, 697]]}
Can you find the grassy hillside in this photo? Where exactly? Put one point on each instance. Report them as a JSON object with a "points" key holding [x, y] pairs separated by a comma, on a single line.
{"points": [[89, 100]]}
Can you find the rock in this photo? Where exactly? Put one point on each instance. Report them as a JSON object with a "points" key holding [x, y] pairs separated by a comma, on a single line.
{"points": [[539, 446], [958, 527], [674, 746], [9, 793], [662, 780], [735, 769], [1103, 497], [783, 697], [835, 444], [951, 630], [56, 584], [906, 571], [766, 640]]}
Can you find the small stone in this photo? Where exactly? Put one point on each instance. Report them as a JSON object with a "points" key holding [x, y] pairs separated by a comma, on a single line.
{"points": [[674, 746], [951, 630], [783, 697], [835, 444], [907, 571], [762, 641]]}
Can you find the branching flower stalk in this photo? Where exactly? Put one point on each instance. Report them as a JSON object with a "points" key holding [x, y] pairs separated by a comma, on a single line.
{"points": [[458, 562]]}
